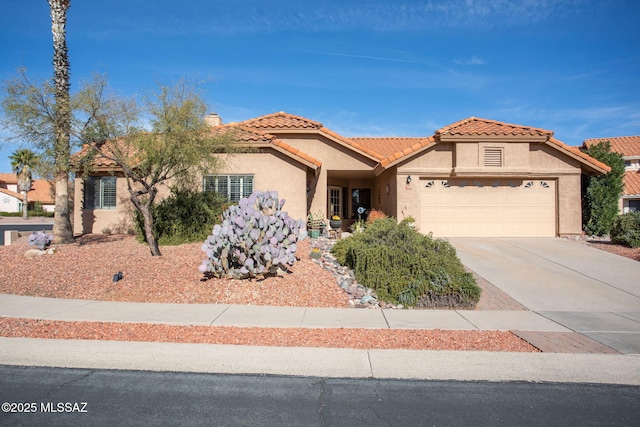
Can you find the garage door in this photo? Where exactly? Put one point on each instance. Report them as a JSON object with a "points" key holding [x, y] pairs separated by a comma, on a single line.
{"points": [[488, 207]]}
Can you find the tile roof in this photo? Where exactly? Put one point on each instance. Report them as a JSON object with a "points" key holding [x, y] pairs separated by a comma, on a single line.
{"points": [[625, 145], [42, 191], [384, 146], [285, 121], [11, 193], [631, 182], [598, 165], [9, 178], [251, 136], [476, 126], [281, 120], [392, 149]]}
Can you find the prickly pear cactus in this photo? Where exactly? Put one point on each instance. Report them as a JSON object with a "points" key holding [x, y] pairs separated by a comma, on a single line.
{"points": [[255, 238]]}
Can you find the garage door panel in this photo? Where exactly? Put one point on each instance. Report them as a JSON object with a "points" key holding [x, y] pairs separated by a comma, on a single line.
{"points": [[488, 208]]}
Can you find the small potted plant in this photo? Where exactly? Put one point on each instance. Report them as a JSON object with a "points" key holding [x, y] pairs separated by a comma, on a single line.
{"points": [[335, 222], [315, 222]]}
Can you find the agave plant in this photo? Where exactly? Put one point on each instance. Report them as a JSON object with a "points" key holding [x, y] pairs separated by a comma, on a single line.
{"points": [[256, 237]]}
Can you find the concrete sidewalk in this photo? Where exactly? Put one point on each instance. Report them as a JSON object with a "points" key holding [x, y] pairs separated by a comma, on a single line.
{"points": [[443, 365], [269, 316]]}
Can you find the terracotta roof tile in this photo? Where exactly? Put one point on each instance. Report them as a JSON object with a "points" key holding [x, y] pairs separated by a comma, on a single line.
{"points": [[41, 191], [281, 120], [631, 182], [625, 145], [352, 143], [384, 146], [9, 178], [252, 136], [11, 193], [576, 151], [478, 126]]}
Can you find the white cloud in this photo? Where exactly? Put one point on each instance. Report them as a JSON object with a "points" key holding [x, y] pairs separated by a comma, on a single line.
{"points": [[474, 60]]}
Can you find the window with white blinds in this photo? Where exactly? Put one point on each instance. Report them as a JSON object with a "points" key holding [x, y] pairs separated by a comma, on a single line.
{"points": [[233, 187], [100, 192]]}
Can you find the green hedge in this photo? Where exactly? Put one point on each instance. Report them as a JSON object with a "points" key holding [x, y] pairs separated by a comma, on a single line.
{"points": [[184, 217], [406, 267], [626, 230]]}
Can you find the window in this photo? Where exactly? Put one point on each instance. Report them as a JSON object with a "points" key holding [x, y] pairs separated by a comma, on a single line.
{"points": [[634, 205], [335, 201], [233, 187], [100, 192], [493, 157]]}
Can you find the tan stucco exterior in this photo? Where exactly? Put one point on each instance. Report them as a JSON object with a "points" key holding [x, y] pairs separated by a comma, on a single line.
{"points": [[303, 161]]}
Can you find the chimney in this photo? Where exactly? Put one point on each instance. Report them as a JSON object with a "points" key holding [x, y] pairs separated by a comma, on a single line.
{"points": [[212, 120]]}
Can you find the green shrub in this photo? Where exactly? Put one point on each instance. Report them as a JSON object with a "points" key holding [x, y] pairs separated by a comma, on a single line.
{"points": [[626, 230], [185, 216], [404, 266]]}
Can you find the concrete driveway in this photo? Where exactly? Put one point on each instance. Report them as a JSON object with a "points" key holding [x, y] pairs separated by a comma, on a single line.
{"points": [[582, 288]]}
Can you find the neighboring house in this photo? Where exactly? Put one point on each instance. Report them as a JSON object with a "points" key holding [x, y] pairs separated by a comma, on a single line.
{"points": [[11, 198], [629, 147], [475, 177]]}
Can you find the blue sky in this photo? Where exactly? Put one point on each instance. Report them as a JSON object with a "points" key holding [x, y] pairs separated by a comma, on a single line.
{"points": [[362, 68]]}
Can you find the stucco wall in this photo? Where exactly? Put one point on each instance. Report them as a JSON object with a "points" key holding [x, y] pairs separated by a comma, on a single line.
{"points": [[9, 203], [97, 221], [273, 171]]}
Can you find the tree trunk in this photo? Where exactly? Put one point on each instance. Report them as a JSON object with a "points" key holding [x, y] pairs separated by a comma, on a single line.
{"points": [[148, 231], [62, 230], [25, 205], [145, 211]]}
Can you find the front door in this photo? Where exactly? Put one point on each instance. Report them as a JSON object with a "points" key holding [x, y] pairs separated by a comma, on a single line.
{"points": [[360, 203]]}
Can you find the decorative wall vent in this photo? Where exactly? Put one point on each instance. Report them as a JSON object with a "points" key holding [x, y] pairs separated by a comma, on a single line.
{"points": [[493, 157]]}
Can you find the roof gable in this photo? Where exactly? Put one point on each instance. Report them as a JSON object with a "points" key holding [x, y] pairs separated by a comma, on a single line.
{"points": [[626, 145], [281, 120], [474, 127], [11, 193], [251, 136]]}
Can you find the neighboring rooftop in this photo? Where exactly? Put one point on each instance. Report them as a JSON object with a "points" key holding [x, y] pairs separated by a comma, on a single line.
{"points": [[626, 145]]}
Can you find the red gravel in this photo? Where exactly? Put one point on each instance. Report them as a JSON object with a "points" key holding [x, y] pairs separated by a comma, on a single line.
{"points": [[85, 269], [632, 253], [282, 337]]}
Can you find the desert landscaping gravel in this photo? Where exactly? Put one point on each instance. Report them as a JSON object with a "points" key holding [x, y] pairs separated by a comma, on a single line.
{"points": [[85, 270]]}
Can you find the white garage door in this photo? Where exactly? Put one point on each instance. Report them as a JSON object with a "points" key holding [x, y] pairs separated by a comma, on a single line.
{"points": [[488, 207]]}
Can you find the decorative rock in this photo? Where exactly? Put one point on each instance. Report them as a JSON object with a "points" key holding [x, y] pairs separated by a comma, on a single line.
{"points": [[32, 253], [367, 299], [345, 278]]}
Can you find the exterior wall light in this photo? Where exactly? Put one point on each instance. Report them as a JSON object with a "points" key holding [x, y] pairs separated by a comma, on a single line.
{"points": [[409, 180]]}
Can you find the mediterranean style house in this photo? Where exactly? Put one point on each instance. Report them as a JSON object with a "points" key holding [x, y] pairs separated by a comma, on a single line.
{"points": [[475, 177], [629, 147], [11, 197]]}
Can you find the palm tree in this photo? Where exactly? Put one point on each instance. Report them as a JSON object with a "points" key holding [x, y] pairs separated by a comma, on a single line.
{"points": [[62, 230], [23, 162]]}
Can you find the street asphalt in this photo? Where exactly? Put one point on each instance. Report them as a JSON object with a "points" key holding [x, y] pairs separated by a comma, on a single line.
{"points": [[565, 286]]}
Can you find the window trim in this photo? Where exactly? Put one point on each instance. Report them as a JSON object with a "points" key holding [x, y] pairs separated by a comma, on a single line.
{"points": [[103, 199], [228, 189]]}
